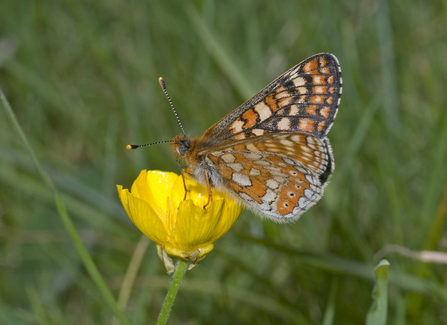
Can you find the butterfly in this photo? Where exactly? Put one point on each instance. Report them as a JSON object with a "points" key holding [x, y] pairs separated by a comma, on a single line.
{"points": [[271, 153]]}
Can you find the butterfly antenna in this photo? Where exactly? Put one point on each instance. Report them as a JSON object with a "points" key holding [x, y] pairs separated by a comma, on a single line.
{"points": [[163, 87], [136, 146]]}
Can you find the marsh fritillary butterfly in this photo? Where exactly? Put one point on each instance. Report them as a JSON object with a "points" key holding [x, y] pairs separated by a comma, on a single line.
{"points": [[271, 153]]}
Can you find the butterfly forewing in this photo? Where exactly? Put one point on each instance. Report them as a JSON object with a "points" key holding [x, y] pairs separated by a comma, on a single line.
{"points": [[304, 99], [277, 175]]}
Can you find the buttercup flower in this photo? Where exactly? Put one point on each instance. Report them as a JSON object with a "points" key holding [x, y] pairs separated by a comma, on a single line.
{"points": [[180, 228]]}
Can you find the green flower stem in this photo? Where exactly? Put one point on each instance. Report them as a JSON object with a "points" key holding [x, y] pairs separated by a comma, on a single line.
{"points": [[180, 270]]}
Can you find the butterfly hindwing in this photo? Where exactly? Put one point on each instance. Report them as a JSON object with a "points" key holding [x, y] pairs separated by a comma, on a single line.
{"points": [[277, 175], [303, 99]]}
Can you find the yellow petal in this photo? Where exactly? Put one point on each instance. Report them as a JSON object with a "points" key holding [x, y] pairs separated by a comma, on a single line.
{"points": [[230, 213], [196, 191], [144, 217], [196, 226], [154, 187], [123, 197]]}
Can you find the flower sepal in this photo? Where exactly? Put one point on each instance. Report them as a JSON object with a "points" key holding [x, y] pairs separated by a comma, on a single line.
{"points": [[193, 257]]}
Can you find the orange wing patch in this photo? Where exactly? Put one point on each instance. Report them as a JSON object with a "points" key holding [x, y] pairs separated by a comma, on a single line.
{"points": [[306, 124], [311, 110], [325, 112], [311, 66]]}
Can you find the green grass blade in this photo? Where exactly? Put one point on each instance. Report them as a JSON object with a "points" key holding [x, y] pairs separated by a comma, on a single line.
{"points": [[329, 313], [66, 220], [221, 56], [377, 314]]}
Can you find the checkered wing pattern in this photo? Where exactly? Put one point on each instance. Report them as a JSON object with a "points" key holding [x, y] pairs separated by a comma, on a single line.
{"points": [[278, 175], [304, 99], [272, 152]]}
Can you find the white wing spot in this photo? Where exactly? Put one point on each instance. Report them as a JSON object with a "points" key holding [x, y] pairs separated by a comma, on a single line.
{"points": [[253, 156], [303, 202], [263, 110], [254, 172], [263, 163], [310, 140], [241, 179], [311, 179], [228, 158], [237, 126], [258, 132], [287, 143], [270, 196], [302, 170], [217, 153], [298, 82], [284, 124], [237, 167], [251, 147], [274, 149], [294, 110], [306, 154], [288, 161], [309, 194], [302, 90], [271, 183], [295, 138]]}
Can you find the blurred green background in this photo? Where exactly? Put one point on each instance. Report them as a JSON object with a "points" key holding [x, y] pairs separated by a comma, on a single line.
{"points": [[82, 78]]}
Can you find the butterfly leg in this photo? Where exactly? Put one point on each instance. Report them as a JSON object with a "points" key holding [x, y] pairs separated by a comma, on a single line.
{"points": [[184, 183], [208, 186]]}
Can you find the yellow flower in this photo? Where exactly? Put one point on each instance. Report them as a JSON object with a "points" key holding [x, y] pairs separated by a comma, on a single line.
{"points": [[182, 228]]}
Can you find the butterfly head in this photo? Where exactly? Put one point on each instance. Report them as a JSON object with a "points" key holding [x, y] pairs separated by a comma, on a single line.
{"points": [[181, 145]]}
